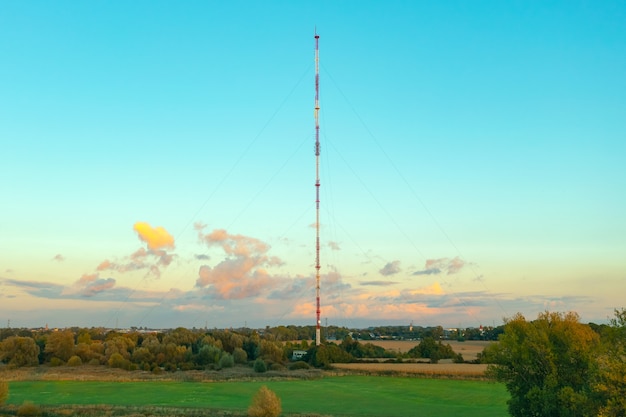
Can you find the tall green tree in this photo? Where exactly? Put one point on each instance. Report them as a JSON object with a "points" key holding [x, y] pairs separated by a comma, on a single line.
{"points": [[548, 365], [611, 385]]}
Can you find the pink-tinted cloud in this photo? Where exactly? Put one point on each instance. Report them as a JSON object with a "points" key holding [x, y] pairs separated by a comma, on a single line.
{"points": [[235, 279], [237, 245], [243, 273], [90, 285]]}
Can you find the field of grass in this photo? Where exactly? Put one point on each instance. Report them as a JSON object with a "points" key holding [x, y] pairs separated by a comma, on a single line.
{"points": [[334, 396]]}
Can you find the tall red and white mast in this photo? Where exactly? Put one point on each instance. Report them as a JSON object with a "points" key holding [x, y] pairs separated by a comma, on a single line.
{"points": [[317, 191]]}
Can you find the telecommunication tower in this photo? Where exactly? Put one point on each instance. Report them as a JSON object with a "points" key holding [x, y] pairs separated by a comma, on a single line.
{"points": [[317, 191]]}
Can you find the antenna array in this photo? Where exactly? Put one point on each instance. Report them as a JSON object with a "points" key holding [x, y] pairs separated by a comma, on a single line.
{"points": [[317, 191]]}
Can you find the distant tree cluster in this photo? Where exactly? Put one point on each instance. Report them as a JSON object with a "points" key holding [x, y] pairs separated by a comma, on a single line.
{"points": [[171, 350], [177, 349], [434, 350]]}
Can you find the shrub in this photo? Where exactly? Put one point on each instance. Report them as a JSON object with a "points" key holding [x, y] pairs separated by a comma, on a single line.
{"points": [[299, 365], [28, 409], [275, 367], [265, 404], [117, 361], [56, 361], [240, 355], [4, 391], [227, 361], [74, 361], [259, 365]]}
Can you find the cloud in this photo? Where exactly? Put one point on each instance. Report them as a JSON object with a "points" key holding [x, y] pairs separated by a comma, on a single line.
{"points": [[237, 245], [155, 237], [243, 274], [36, 288], [91, 284], [378, 283], [390, 268], [234, 278], [292, 288], [333, 245], [58, 257], [437, 266], [152, 259], [432, 271]]}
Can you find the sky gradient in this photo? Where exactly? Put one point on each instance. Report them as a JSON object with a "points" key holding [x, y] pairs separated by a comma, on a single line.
{"points": [[157, 162]]}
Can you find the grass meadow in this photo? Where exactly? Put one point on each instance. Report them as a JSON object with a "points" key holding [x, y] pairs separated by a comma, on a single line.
{"points": [[354, 395]]}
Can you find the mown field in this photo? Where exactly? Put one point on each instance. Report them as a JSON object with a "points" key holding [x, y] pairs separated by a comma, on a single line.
{"points": [[469, 349], [328, 396], [379, 389]]}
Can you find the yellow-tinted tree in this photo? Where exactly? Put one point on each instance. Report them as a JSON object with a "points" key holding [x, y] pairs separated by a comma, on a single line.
{"points": [[119, 344], [265, 404], [19, 351], [548, 365], [272, 351], [60, 345]]}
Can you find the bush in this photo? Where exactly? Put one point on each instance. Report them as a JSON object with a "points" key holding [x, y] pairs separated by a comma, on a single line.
{"points": [[275, 367], [227, 361], [4, 391], [117, 361], [74, 361], [299, 365], [259, 365], [265, 404], [28, 409], [56, 361], [240, 356]]}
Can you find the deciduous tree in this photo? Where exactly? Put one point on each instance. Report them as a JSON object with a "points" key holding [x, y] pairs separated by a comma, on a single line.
{"points": [[19, 351], [611, 384], [60, 345], [547, 365]]}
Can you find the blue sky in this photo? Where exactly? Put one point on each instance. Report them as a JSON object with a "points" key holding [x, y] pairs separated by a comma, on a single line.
{"points": [[158, 167]]}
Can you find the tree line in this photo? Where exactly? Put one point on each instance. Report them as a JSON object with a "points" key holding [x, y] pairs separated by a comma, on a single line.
{"points": [[184, 349]]}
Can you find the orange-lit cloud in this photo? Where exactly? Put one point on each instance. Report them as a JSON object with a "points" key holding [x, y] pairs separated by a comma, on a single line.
{"points": [[155, 237], [243, 273], [151, 259]]}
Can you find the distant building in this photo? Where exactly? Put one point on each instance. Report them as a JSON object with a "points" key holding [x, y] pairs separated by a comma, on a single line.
{"points": [[297, 355]]}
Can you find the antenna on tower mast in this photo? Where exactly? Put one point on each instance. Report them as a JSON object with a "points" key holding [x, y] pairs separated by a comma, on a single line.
{"points": [[317, 190]]}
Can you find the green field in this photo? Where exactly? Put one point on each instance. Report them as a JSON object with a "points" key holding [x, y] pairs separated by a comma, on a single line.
{"points": [[336, 396]]}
